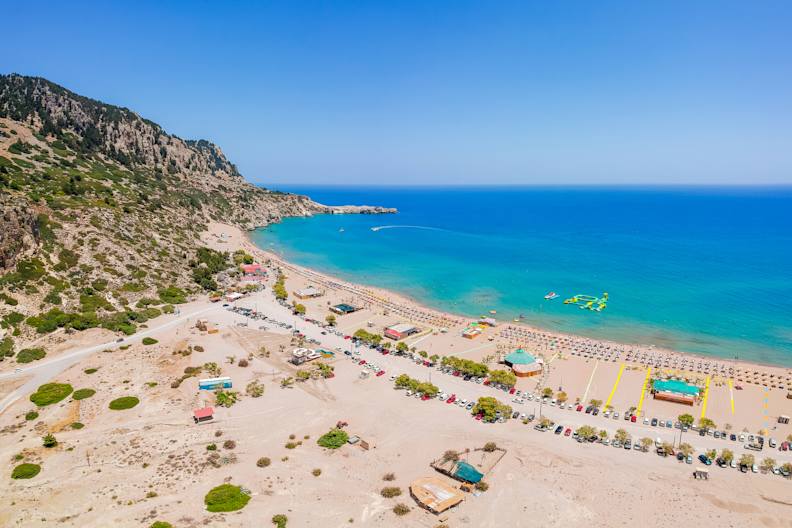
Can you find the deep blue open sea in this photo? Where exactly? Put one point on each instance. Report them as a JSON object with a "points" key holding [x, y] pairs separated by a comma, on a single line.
{"points": [[703, 270]]}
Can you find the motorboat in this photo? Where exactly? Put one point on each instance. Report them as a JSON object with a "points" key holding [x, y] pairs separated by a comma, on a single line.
{"points": [[550, 296]]}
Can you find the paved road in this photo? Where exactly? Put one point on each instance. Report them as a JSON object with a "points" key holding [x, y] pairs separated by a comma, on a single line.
{"points": [[472, 391], [44, 371]]}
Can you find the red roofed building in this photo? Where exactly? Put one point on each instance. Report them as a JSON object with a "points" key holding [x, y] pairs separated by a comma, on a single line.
{"points": [[252, 269], [203, 415]]}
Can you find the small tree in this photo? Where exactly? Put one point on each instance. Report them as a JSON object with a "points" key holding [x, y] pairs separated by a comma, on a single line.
{"points": [[481, 486], [686, 419], [299, 309], [49, 440], [686, 449], [727, 455], [390, 491], [768, 464], [286, 382], [711, 454], [561, 397], [706, 424], [747, 460], [254, 389], [280, 520], [450, 456], [596, 403], [401, 509], [547, 392], [331, 320], [226, 398], [489, 447], [621, 435], [646, 443]]}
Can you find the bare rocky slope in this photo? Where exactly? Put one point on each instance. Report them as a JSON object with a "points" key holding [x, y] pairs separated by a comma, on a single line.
{"points": [[101, 212]]}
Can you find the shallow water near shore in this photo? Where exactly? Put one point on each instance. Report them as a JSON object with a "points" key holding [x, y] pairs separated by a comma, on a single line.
{"points": [[702, 270]]}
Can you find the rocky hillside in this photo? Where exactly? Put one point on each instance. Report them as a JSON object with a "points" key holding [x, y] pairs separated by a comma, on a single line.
{"points": [[102, 211]]}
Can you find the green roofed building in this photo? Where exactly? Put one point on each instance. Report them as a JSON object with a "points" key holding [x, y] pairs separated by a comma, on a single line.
{"points": [[466, 472], [523, 364], [675, 391]]}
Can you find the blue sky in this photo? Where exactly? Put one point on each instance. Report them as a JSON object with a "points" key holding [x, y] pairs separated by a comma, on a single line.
{"points": [[431, 92]]}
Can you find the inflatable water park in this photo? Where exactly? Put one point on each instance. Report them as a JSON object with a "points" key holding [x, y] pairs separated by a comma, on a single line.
{"points": [[589, 302]]}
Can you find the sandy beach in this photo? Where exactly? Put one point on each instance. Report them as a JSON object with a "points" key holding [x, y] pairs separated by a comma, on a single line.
{"points": [[151, 462]]}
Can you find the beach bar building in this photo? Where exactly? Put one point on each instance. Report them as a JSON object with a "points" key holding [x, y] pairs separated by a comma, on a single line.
{"points": [[308, 293], [435, 495], [400, 331], [215, 383], [675, 391], [523, 364], [343, 309]]}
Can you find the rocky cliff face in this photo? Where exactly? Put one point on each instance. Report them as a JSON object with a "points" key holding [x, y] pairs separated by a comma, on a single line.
{"points": [[117, 135], [102, 210]]}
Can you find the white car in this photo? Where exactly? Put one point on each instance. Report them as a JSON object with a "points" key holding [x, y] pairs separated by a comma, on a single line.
{"points": [[443, 396], [755, 468], [615, 416]]}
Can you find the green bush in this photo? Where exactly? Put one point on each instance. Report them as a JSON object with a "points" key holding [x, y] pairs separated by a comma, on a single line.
{"points": [[90, 370], [50, 393], [77, 425], [125, 402], [31, 415], [390, 491], [149, 341], [25, 471], [226, 498], [172, 295], [280, 520], [333, 439], [6, 348], [161, 524], [26, 355], [49, 440], [81, 394]]}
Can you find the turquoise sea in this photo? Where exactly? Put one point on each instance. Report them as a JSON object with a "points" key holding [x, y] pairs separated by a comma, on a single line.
{"points": [[703, 270]]}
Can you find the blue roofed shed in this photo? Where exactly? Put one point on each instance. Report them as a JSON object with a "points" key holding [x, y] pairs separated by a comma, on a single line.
{"points": [[466, 472]]}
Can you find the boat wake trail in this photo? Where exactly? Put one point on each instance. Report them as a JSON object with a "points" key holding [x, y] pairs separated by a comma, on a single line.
{"points": [[425, 228]]}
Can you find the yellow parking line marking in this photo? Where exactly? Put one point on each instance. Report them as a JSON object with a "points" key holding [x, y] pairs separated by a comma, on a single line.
{"points": [[706, 397], [643, 391], [615, 385], [731, 394]]}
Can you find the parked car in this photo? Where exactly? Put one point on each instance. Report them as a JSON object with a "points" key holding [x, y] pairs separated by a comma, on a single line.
{"points": [[654, 422], [559, 429], [568, 432], [633, 418], [704, 460], [515, 415], [579, 408]]}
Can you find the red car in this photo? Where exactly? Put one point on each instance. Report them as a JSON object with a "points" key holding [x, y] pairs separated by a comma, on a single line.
{"points": [[385, 352], [478, 417], [785, 446], [380, 373], [456, 373], [425, 397], [633, 418], [579, 408], [362, 362], [451, 399], [512, 390], [568, 432], [425, 363], [486, 382], [347, 337]]}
